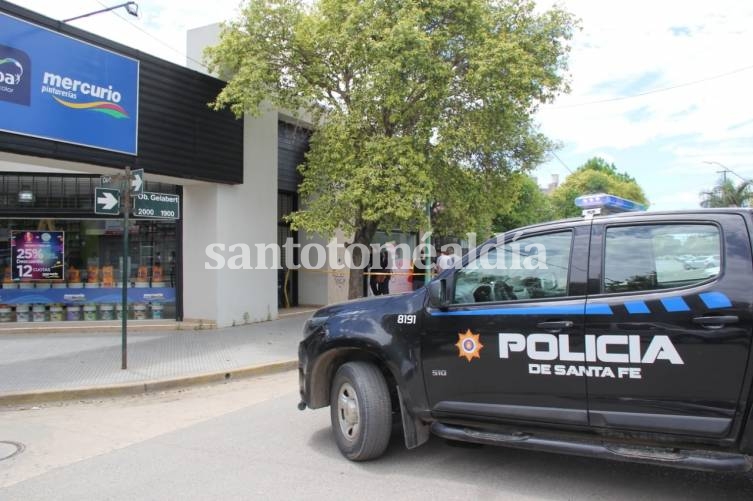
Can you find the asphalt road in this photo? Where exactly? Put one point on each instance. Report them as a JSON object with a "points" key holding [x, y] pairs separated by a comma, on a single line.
{"points": [[246, 440]]}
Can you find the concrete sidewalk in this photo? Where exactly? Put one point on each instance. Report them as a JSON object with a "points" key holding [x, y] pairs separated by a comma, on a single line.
{"points": [[60, 366]]}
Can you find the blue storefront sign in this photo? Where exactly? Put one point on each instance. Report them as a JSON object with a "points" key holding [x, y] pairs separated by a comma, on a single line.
{"points": [[56, 87], [71, 295]]}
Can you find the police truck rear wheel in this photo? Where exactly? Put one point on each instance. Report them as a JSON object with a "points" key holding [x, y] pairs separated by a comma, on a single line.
{"points": [[361, 411]]}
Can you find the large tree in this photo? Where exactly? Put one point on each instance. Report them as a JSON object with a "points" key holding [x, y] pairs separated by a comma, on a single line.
{"points": [[595, 176], [531, 206], [415, 103]]}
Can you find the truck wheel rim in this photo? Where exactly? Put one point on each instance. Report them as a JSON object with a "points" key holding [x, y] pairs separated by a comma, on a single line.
{"points": [[347, 411]]}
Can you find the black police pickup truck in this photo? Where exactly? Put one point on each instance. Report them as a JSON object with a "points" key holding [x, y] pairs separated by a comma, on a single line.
{"points": [[625, 337]]}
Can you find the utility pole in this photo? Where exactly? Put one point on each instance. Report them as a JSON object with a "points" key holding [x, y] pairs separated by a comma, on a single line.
{"points": [[724, 170], [724, 175]]}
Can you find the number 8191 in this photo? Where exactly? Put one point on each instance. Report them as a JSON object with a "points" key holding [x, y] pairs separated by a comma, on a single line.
{"points": [[406, 319]]}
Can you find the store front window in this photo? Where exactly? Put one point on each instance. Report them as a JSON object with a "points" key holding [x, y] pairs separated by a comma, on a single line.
{"points": [[93, 269]]}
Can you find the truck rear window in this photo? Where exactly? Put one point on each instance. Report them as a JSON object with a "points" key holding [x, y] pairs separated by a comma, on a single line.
{"points": [[649, 257]]}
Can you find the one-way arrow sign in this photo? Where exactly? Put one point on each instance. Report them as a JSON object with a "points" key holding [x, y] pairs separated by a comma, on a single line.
{"points": [[106, 201], [137, 180]]}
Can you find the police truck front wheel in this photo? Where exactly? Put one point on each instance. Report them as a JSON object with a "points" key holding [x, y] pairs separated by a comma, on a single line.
{"points": [[361, 411]]}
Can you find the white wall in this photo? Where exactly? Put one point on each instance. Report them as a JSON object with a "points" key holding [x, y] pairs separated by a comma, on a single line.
{"points": [[197, 40], [249, 215], [244, 213], [200, 228], [312, 285]]}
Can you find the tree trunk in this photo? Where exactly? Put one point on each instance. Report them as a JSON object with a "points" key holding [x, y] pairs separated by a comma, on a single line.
{"points": [[363, 235]]}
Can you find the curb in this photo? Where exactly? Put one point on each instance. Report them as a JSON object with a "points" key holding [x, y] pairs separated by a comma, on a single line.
{"points": [[301, 311], [108, 326], [144, 387], [100, 326]]}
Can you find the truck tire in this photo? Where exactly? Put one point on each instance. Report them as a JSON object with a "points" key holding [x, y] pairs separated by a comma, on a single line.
{"points": [[361, 411]]}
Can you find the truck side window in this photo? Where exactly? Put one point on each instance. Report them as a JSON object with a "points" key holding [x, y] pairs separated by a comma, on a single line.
{"points": [[650, 257], [529, 268]]}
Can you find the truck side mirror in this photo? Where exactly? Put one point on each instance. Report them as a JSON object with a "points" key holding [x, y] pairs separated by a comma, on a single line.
{"points": [[438, 294]]}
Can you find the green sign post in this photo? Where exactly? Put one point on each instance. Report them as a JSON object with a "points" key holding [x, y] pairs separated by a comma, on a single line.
{"points": [[127, 183], [156, 205], [130, 195], [116, 194]]}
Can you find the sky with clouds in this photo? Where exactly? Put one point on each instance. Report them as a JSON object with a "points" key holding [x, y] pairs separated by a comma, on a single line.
{"points": [[659, 88]]}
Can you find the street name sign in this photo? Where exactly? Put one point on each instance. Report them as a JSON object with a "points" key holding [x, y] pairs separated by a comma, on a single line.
{"points": [[156, 205], [106, 201]]}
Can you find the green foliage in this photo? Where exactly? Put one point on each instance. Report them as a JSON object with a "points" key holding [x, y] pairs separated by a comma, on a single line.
{"points": [[595, 176], [531, 206], [727, 194], [415, 102], [598, 164]]}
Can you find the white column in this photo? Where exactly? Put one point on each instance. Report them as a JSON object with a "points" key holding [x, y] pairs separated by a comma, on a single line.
{"points": [[238, 214], [200, 229]]}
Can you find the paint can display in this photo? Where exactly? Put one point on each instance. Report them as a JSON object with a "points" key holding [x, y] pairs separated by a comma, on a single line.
{"points": [[157, 311], [56, 313], [6, 313], [73, 312], [139, 311], [106, 312], [90, 312], [22, 313], [39, 313]]}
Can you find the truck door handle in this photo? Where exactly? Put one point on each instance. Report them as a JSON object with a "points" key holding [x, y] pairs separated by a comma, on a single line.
{"points": [[557, 325], [715, 322]]}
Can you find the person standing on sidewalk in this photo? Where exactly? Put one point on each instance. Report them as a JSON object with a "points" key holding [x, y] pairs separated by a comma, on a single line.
{"points": [[446, 260], [419, 271], [380, 280]]}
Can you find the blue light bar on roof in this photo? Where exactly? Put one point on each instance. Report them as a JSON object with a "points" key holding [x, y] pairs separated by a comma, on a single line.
{"points": [[610, 202]]}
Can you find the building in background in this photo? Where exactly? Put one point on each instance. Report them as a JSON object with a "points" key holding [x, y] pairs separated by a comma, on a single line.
{"points": [[553, 184], [74, 107]]}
